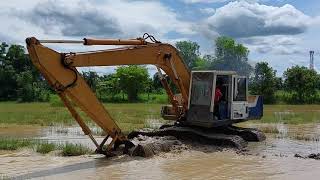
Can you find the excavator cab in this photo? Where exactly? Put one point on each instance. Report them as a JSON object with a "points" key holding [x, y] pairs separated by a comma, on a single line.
{"points": [[232, 107]]}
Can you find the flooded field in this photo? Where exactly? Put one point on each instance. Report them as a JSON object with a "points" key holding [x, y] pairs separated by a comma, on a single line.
{"points": [[290, 130], [272, 159]]}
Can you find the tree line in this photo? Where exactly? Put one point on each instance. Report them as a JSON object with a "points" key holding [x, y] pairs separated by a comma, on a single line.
{"points": [[21, 82]]}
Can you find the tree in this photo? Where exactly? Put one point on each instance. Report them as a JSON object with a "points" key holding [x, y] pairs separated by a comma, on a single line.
{"points": [[8, 73], [231, 56], [202, 63], [91, 78], [19, 79], [8, 83], [26, 91], [156, 82], [18, 59], [263, 82], [189, 52], [3, 47], [108, 85], [279, 83], [133, 79], [302, 83]]}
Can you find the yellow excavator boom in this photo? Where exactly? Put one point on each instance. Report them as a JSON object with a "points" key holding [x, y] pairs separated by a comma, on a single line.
{"points": [[59, 69]]}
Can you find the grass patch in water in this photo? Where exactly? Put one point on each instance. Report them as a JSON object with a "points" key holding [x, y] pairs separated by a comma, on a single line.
{"points": [[4, 177], [69, 149], [14, 144], [303, 137], [45, 148], [269, 129]]}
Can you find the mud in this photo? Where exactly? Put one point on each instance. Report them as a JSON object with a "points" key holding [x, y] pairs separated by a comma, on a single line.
{"points": [[150, 146], [310, 156]]}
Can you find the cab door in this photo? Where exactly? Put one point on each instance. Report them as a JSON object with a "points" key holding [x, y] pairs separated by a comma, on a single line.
{"points": [[239, 105], [200, 98]]}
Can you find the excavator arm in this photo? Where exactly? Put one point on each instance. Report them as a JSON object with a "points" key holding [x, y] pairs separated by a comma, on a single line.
{"points": [[59, 69]]}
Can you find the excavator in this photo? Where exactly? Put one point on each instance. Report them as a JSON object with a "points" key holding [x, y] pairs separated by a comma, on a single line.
{"points": [[195, 114]]}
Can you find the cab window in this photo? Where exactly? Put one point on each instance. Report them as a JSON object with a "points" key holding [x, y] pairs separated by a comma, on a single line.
{"points": [[240, 89]]}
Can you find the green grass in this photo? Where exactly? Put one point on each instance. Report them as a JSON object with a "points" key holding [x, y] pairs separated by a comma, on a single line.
{"points": [[154, 98], [303, 137], [132, 116], [291, 114], [33, 113], [14, 144], [128, 116], [75, 150], [4, 177], [269, 129], [45, 148], [67, 149]]}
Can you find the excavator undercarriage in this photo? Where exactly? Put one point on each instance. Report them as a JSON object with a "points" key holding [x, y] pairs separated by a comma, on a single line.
{"points": [[195, 114]]}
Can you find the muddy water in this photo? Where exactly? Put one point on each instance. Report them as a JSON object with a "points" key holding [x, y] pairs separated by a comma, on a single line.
{"points": [[272, 159]]}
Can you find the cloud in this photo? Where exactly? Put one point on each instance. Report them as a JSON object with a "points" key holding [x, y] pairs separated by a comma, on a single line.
{"points": [[208, 10], [204, 1], [216, 1], [146, 16], [243, 19], [74, 19], [4, 38], [278, 44], [80, 19]]}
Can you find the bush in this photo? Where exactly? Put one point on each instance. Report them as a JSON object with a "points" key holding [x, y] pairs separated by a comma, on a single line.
{"points": [[284, 97], [69, 149], [154, 98], [55, 101], [45, 148], [142, 98]]}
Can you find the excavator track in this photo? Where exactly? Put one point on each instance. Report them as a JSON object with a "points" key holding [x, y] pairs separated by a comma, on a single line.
{"points": [[248, 134], [198, 135], [226, 136]]}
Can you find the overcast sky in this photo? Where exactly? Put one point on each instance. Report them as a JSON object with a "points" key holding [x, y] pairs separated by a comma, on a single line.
{"points": [[281, 32]]}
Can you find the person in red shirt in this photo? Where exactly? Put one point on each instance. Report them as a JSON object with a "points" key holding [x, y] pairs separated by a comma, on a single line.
{"points": [[217, 98], [217, 95]]}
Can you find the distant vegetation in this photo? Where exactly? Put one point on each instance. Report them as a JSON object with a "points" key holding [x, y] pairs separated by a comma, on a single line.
{"points": [[21, 82]]}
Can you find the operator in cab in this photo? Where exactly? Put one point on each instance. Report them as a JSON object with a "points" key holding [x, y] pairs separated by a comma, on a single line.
{"points": [[217, 98]]}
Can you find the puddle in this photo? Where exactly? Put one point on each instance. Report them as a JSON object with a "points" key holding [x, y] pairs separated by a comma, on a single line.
{"points": [[16, 131], [280, 116], [154, 123], [272, 159]]}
